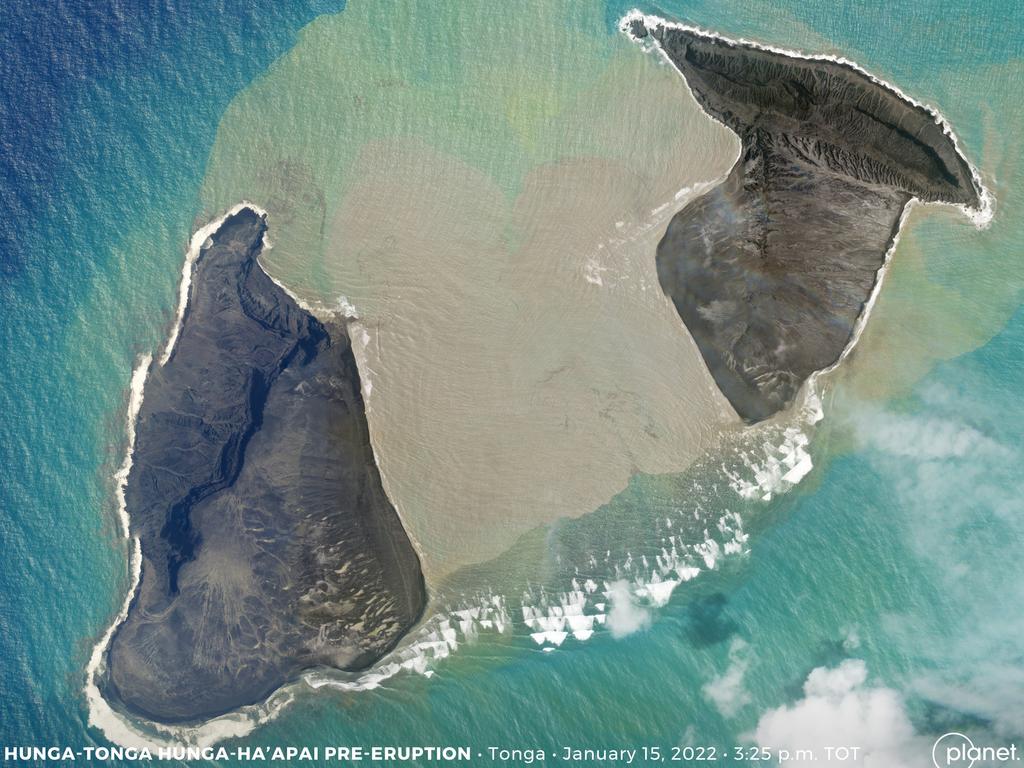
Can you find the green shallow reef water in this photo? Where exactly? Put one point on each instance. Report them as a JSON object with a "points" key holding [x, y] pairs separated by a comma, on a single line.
{"points": [[410, 155]]}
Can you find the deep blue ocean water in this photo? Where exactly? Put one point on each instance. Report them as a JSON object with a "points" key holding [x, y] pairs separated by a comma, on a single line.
{"points": [[904, 550], [108, 111]]}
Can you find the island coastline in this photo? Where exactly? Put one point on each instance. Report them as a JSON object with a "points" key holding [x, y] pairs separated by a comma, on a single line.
{"points": [[98, 670], [752, 375]]}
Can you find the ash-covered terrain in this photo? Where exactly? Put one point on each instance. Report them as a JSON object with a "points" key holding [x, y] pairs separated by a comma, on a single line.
{"points": [[268, 543], [771, 269]]}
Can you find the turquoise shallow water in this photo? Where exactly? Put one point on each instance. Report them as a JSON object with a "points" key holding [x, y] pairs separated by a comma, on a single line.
{"points": [[902, 550]]}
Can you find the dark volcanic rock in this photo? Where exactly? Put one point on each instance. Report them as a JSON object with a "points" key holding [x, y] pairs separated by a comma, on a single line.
{"points": [[771, 269], [268, 543]]}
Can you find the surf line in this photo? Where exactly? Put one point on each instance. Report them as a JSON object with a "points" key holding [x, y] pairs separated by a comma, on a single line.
{"points": [[195, 247], [118, 727], [101, 715], [981, 216]]}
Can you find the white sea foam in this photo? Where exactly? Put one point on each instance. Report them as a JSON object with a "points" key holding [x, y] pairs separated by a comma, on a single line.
{"points": [[314, 309], [980, 216], [634, 590], [116, 726], [578, 613], [347, 308], [595, 267], [196, 243], [136, 390], [439, 637], [636, 587], [592, 271], [786, 462], [437, 640], [100, 714]]}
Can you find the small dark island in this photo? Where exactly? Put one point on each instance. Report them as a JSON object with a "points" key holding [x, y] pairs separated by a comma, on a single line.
{"points": [[268, 543], [771, 269]]}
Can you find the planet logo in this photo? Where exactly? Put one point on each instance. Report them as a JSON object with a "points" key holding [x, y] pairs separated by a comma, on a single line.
{"points": [[955, 750]]}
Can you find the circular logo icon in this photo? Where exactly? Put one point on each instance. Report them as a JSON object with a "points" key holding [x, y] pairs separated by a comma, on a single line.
{"points": [[953, 750]]}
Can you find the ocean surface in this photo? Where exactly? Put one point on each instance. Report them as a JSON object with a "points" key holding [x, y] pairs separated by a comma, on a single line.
{"points": [[875, 602]]}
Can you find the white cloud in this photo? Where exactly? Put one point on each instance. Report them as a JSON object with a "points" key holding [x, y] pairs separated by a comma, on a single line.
{"points": [[958, 505], [924, 438], [838, 709], [727, 692], [625, 616]]}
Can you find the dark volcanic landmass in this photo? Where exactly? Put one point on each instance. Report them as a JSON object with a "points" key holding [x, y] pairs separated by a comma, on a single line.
{"points": [[771, 269], [268, 543]]}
